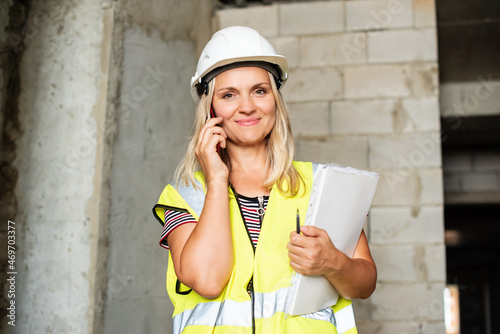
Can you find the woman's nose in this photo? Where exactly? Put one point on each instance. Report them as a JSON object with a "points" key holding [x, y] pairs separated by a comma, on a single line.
{"points": [[246, 104]]}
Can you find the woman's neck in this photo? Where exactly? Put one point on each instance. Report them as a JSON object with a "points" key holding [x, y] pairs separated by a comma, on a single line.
{"points": [[244, 157], [248, 171]]}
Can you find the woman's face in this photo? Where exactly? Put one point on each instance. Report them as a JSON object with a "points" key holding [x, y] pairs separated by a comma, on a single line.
{"points": [[244, 99]]}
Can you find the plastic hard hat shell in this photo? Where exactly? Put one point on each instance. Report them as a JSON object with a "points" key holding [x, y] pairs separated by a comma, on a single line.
{"points": [[232, 45]]}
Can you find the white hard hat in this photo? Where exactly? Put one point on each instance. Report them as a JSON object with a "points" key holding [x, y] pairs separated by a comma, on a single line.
{"points": [[235, 47]]}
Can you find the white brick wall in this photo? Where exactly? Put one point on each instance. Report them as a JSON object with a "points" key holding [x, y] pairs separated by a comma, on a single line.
{"points": [[404, 46], [315, 84], [347, 149], [310, 119], [414, 303], [289, 46], [402, 225], [362, 117], [425, 13], [424, 80], [434, 263], [317, 17], [377, 81], [386, 327], [402, 187], [420, 115], [422, 150], [379, 14], [332, 50], [363, 91], [398, 263], [262, 18]]}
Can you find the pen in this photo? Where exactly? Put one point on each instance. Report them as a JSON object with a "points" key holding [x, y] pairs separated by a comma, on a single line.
{"points": [[298, 221]]}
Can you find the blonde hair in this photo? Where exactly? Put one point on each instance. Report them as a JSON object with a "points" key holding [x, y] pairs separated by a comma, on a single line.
{"points": [[280, 147]]}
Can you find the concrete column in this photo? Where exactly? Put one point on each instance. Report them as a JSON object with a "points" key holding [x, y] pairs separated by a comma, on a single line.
{"points": [[160, 44], [62, 157]]}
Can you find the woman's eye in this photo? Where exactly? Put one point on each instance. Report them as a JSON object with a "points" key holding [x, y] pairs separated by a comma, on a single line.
{"points": [[261, 91], [227, 96]]}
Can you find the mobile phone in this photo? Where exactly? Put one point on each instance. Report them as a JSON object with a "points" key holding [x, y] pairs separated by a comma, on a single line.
{"points": [[212, 112], [212, 115]]}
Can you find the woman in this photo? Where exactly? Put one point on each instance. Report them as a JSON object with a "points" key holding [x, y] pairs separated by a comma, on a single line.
{"points": [[229, 221]]}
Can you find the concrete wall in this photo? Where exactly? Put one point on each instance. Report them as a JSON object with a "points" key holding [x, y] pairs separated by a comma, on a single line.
{"points": [[150, 140], [105, 109], [153, 119], [363, 91]]}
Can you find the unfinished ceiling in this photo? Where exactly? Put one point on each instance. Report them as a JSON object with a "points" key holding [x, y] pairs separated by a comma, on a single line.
{"points": [[468, 39]]}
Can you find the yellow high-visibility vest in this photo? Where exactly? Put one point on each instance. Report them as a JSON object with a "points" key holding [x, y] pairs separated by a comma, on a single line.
{"points": [[265, 271]]}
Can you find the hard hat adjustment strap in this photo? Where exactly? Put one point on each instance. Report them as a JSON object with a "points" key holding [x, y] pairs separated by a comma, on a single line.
{"points": [[202, 87]]}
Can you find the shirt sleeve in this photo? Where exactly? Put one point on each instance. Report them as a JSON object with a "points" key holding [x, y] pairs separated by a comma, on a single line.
{"points": [[174, 219]]}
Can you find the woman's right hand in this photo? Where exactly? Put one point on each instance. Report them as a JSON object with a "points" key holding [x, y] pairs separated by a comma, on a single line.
{"points": [[202, 253], [211, 135]]}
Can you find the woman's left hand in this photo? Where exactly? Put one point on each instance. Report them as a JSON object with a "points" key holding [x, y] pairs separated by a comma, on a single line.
{"points": [[312, 253]]}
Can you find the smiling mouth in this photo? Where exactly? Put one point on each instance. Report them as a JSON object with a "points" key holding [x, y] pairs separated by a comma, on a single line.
{"points": [[248, 121]]}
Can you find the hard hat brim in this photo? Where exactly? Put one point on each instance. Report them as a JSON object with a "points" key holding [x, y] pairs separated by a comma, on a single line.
{"points": [[279, 61]]}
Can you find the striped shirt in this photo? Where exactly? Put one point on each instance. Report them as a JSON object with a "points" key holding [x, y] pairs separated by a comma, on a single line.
{"points": [[250, 208]]}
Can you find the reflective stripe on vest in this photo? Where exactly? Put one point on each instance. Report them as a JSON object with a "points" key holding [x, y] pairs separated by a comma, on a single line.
{"points": [[226, 313], [345, 319], [229, 313], [194, 197], [315, 169]]}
